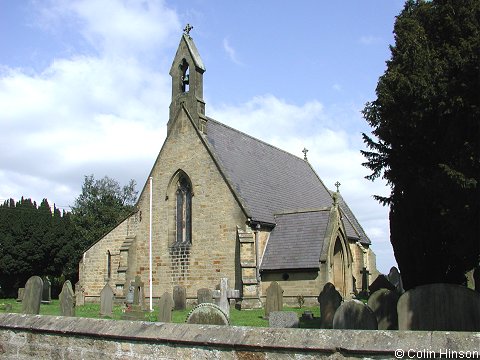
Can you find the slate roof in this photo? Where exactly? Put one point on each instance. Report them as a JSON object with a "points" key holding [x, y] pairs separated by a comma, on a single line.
{"points": [[290, 243], [279, 188], [268, 180], [352, 226]]}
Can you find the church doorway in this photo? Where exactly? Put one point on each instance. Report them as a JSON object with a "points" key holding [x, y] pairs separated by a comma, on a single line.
{"points": [[339, 267]]}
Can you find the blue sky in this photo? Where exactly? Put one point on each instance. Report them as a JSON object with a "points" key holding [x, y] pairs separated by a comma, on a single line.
{"points": [[84, 88]]}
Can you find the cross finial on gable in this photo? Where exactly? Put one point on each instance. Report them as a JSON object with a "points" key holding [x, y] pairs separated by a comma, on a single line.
{"points": [[187, 29], [337, 185], [305, 150]]}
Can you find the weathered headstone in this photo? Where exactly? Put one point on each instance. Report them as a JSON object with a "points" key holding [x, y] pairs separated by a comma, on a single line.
{"points": [[79, 296], [329, 299], [223, 301], [209, 314], [46, 291], [439, 307], [32, 296], [381, 282], [396, 279], [204, 295], [67, 300], [135, 301], [107, 297], [383, 303], [354, 314], [179, 297], [166, 306], [284, 319], [274, 300], [138, 292], [130, 295], [21, 293]]}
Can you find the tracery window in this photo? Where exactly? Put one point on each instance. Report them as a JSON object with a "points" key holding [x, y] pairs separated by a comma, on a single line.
{"points": [[184, 212]]}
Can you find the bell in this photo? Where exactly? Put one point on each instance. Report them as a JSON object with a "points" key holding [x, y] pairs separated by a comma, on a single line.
{"points": [[185, 79]]}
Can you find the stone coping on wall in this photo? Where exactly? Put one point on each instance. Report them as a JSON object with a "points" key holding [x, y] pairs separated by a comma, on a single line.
{"points": [[347, 342]]}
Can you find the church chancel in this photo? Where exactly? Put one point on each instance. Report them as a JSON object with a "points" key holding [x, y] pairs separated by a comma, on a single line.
{"points": [[219, 203]]}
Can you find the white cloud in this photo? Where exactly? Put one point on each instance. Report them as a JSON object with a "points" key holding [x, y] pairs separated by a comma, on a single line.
{"points": [[87, 113], [232, 54]]}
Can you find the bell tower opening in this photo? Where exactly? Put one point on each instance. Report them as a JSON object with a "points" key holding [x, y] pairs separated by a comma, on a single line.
{"points": [[185, 77]]}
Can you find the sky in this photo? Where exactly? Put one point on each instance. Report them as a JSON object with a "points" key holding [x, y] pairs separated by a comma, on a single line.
{"points": [[85, 89]]}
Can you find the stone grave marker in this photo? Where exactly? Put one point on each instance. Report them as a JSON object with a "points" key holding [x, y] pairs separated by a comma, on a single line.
{"points": [[139, 292], [32, 296], [107, 296], [135, 309], [67, 300], [274, 300], [383, 303], [439, 307], [354, 314], [46, 291], [79, 296], [21, 293], [329, 299], [130, 295], [221, 297], [209, 314], [396, 279], [381, 282], [166, 306], [204, 295], [283, 319], [179, 297]]}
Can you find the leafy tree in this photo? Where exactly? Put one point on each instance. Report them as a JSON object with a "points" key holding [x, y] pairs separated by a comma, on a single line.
{"points": [[425, 124], [101, 206]]}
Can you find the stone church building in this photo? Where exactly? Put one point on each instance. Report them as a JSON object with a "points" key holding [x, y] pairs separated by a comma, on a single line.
{"points": [[219, 203]]}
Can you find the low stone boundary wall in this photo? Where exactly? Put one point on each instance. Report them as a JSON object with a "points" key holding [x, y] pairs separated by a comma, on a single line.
{"points": [[56, 337]]}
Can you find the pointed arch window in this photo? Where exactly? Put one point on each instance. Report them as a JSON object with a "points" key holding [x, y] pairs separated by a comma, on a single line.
{"points": [[185, 78], [184, 211]]}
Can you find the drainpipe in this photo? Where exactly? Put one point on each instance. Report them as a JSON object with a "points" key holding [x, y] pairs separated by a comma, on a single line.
{"points": [[150, 245], [257, 265]]}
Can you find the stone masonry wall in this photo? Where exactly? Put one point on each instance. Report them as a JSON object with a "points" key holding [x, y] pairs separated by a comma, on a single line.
{"points": [[47, 337], [215, 217]]}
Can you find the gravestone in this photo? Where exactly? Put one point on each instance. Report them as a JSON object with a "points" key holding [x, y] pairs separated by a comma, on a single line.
{"points": [[21, 293], [204, 295], [135, 301], [329, 299], [79, 296], [179, 297], [209, 314], [355, 315], [383, 303], [46, 291], [223, 299], [130, 295], [365, 274], [138, 292], [283, 319], [107, 297], [32, 296], [166, 305], [274, 300], [381, 282], [67, 300], [396, 279], [439, 307]]}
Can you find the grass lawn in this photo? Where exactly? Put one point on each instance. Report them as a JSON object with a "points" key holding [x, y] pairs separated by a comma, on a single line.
{"points": [[237, 317]]}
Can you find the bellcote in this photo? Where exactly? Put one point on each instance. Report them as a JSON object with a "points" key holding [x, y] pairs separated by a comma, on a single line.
{"points": [[187, 82]]}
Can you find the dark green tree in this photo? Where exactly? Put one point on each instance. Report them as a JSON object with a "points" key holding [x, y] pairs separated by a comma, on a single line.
{"points": [[425, 124], [100, 207]]}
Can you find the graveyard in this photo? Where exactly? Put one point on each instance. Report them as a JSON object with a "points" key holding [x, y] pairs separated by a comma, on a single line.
{"points": [[385, 323]]}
